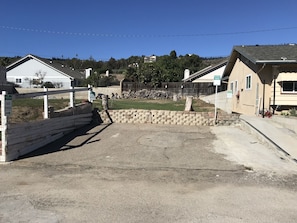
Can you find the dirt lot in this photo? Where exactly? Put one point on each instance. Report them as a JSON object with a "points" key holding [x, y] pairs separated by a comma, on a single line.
{"points": [[150, 173]]}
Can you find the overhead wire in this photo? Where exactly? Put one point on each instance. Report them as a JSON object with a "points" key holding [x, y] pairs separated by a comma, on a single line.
{"points": [[89, 34]]}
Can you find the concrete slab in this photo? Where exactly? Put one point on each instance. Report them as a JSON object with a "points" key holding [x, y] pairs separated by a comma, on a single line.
{"points": [[274, 134], [151, 173]]}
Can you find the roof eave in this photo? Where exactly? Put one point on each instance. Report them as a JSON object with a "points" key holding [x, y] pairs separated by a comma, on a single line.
{"points": [[276, 62]]}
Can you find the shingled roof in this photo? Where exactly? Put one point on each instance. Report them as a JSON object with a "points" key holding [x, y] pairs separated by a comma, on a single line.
{"points": [[67, 71], [269, 53], [262, 54]]}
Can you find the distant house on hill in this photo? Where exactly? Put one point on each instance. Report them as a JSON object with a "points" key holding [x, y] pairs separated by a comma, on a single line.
{"points": [[32, 71], [262, 78], [150, 59]]}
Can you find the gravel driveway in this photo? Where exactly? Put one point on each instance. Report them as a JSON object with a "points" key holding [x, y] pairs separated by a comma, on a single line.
{"points": [[151, 173]]}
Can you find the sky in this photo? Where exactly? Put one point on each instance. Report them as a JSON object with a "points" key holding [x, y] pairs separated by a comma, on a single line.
{"points": [[104, 29]]}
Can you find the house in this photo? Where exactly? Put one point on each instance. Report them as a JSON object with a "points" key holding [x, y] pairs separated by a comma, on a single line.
{"points": [[4, 85], [150, 59], [207, 74], [202, 81], [262, 78], [32, 71]]}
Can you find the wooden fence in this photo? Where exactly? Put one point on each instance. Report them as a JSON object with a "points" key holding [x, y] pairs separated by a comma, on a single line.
{"points": [[183, 88], [20, 139]]}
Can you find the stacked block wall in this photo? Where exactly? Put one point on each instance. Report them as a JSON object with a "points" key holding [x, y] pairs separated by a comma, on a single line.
{"points": [[168, 117]]}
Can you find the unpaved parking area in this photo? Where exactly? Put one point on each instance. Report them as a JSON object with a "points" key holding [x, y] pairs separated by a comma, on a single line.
{"points": [[151, 173]]}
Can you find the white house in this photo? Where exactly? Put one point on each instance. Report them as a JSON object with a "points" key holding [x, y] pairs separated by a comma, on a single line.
{"points": [[31, 71]]}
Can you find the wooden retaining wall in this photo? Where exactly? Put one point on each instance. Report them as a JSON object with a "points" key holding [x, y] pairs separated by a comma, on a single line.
{"points": [[26, 137]]}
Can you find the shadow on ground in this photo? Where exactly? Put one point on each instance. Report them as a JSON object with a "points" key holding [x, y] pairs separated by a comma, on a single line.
{"points": [[73, 140]]}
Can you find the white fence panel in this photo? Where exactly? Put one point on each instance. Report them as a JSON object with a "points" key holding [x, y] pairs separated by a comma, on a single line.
{"points": [[20, 139]]}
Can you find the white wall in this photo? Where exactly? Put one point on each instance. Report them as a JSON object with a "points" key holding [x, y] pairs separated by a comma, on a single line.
{"points": [[78, 95], [209, 77], [27, 71], [223, 102]]}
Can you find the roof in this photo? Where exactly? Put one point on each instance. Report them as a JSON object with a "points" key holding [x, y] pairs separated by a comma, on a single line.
{"points": [[263, 54], [54, 64], [269, 53], [205, 71]]}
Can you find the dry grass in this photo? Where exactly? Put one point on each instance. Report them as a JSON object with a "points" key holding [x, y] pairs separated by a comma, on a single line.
{"points": [[26, 110]]}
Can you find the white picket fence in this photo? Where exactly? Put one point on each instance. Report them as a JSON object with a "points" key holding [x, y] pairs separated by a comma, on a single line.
{"points": [[20, 139]]}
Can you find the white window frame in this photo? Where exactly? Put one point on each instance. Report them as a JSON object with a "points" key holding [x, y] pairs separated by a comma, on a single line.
{"points": [[18, 80], [290, 92], [236, 86], [248, 82], [232, 86]]}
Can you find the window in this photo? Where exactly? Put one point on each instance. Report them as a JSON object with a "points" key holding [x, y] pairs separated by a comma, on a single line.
{"points": [[235, 86], [248, 82], [18, 80], [231, 87], [290, 86]]}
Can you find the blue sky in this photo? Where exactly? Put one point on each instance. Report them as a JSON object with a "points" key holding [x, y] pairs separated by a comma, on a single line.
{"points": [[120, 29]]}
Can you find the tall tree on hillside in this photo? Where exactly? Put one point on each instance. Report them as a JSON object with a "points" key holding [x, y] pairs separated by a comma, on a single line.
{"points": [[131, 74], [4, 61], [192, 62], [112, 63], [173, 54]]}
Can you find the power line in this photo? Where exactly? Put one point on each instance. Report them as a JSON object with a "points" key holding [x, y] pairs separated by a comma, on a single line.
{"points": [[87, 34]]}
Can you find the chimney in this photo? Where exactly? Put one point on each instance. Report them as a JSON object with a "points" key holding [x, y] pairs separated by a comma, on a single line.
{"points": [[186, 74], [88, 72]]}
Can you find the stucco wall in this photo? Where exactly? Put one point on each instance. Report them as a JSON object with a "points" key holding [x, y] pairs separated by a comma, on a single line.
{"points": [[223, 102], [250, 101]]}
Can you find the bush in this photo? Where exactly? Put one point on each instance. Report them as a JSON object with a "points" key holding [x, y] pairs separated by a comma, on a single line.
{"points": [[293, 112], [48, 84]]}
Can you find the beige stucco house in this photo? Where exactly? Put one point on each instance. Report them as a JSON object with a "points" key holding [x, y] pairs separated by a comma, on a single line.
{"points": [[262, 78]]}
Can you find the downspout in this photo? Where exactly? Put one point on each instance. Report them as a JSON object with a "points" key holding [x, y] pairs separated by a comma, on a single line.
{"points": [[263, 113], [274, 86], [263, 105]]}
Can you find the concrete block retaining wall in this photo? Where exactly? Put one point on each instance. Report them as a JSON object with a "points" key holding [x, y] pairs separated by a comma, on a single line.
{"points": [[167, 117]]}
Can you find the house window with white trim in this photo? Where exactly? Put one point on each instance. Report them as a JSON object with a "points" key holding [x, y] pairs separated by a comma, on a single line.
{"points": [[235, 86], [18, 80], [248, 82], [231, 87], [290, 86]]}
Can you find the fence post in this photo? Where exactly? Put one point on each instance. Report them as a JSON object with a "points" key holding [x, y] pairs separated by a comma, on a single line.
{"points": [[89, 92], [72, 97], [45, 103], [3, 128]]}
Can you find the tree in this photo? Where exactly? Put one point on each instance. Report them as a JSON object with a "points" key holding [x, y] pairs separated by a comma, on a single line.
{"points": [[173, 54], [93, 79], [4, 62], [131, 74], [48, 84], [40, 77], [112, 63], [96, 80]]}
